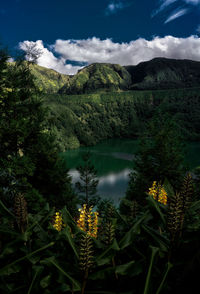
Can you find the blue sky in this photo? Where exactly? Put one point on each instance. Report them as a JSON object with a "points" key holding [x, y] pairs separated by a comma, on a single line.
{"points": [[71, 34]]}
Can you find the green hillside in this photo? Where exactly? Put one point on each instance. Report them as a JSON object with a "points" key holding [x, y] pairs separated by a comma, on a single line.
{"points": [[86, 119], [47, 80], [98, 77], [164, 73]]}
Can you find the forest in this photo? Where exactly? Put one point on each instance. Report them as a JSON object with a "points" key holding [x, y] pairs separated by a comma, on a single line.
{"points": [[56, 239]]}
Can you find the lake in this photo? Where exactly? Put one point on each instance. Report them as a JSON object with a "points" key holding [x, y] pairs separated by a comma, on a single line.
{"points": [[113, 162]]}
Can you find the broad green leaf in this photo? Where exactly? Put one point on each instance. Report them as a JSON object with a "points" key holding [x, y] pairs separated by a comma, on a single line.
{"points": [[157, 238], [132, 233], [102, 274], [70, 240], [53, 261], [130, 269], [168, 188], [37, 270], [6, 209], [5, 269], [156, 206], [68, 219], [107, 255], [44, 283], [154, 251], [169, 266]]}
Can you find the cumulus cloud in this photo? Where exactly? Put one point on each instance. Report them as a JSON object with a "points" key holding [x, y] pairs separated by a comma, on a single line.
{"points": [[177, 13], [48, 59], [106, 51]]}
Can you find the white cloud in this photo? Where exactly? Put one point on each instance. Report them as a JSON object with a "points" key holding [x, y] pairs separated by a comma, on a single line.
{"points": [[114, 6], [193, 2], [106, 51], [198, 29], [164, 4], [49, 60], [177, 13]]}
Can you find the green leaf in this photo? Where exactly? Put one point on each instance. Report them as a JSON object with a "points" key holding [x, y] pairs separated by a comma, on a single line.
{"points": [[37, 270], [44, 283], [154, 251], [6, 209], [130, 269], [157, 238], [168, 188], [156, 206], [53, 261], [70, 240], [132, 233], [169, 266], [102, 274], [5, 269], [107, 255]]}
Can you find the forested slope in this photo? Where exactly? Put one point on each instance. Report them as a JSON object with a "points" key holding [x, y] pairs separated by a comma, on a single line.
{"points": [[87, 119]]}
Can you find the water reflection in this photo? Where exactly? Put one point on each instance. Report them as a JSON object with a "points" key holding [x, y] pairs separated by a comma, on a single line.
{"points": [[112, 186]]}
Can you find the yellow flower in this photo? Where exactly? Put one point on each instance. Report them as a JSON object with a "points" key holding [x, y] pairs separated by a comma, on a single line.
{"points": [[58, 222], [158, 193], [88, 221]]}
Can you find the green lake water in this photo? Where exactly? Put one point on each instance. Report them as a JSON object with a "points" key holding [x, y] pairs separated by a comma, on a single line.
{"points": [[113, 162]]}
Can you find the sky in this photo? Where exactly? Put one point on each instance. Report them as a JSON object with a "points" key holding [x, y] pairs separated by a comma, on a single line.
{"points": [[70, 34]]}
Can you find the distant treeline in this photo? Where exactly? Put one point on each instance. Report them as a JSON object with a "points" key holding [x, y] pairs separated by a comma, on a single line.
{"points": [[87, 119]]}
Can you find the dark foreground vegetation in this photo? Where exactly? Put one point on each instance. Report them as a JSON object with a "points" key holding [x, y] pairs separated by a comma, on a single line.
{"points": [[150, 245]]}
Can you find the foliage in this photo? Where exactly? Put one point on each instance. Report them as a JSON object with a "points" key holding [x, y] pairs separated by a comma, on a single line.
{"points": [[47, 248], [87, 185], [29, 161], [160, 156]]}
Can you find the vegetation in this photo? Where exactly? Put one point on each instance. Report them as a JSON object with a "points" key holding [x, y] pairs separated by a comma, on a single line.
{"points": [[87, 119], [87, 185], [49, 246], [47, 80]]}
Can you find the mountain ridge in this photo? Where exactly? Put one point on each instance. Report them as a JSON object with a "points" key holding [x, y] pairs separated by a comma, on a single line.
{"points": [[156, 74]]}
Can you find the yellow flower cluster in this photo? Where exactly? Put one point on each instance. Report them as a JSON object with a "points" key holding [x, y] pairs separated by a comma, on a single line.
{"points": [[88, 221], [158, 192], [58, 222]]}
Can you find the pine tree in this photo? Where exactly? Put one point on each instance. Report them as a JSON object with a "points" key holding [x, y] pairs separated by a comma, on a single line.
{"points": [[29, 153], [160, 156], [87, 186]]}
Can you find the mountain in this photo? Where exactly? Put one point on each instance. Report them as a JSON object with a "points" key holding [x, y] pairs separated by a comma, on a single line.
{"points": [[164, 73], [48, 80], [98, 77], [158, 73]]}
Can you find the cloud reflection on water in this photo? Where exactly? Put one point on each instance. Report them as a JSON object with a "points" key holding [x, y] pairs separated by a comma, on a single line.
{"points": [[112, 186]]}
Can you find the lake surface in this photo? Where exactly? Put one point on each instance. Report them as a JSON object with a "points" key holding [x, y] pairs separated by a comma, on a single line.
{"points": [[113, 160]]}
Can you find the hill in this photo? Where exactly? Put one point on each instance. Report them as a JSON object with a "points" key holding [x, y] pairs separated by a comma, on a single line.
{"points": [[98, 77], [164, 73], [47, 80], [89, 118], [158, 73]]}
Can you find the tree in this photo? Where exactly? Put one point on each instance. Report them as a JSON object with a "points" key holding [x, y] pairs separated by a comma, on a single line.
{"points": [[32, 52], [160, 157], [28, 148], [87, 186]]}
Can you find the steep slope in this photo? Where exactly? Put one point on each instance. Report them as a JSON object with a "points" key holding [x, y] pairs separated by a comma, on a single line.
{"points": [[164, 73], [98, 77], [48, 80]]}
